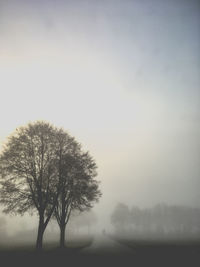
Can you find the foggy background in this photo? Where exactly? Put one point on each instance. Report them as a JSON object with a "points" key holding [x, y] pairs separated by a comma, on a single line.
{"points": [[123, 78]]}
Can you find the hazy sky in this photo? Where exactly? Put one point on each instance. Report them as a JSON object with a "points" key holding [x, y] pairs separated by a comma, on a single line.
{"points": [[121, 76]]}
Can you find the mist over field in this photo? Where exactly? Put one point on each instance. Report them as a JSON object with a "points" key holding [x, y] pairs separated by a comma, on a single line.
{"points": [[123, 78]]}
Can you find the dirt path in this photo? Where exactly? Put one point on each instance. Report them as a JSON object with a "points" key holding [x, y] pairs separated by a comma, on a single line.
{"points": [[103, 244]]}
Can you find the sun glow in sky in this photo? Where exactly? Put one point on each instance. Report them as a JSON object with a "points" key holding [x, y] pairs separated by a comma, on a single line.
{"points": [[120, 76]]}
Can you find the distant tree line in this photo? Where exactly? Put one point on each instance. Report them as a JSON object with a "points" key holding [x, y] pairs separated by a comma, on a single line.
{"points": [[43, 169], [159, 221], [82, 222]]}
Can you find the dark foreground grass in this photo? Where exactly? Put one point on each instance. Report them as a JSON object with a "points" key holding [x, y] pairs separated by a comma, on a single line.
{"points": [[16, 254], [144, 253], [164, 252]]}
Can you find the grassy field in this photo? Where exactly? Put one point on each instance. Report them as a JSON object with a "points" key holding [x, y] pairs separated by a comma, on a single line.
{"points": [[24, 254], [76, 242], [164, 252], [144, 253]]}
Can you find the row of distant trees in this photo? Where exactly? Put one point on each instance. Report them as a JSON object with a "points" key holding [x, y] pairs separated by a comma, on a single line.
{"points": [[82, 222], [43, 169], [161, 220]]}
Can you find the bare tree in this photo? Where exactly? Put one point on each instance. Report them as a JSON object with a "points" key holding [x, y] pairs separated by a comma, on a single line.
{"points": [[79, 188], [30, 169]]}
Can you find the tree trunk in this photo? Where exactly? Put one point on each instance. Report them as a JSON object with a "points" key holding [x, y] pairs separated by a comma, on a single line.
{"points": [[41, 228], [62, 235]]}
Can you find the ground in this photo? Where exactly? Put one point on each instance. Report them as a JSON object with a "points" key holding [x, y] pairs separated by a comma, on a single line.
{"points": [[106, 250]]}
